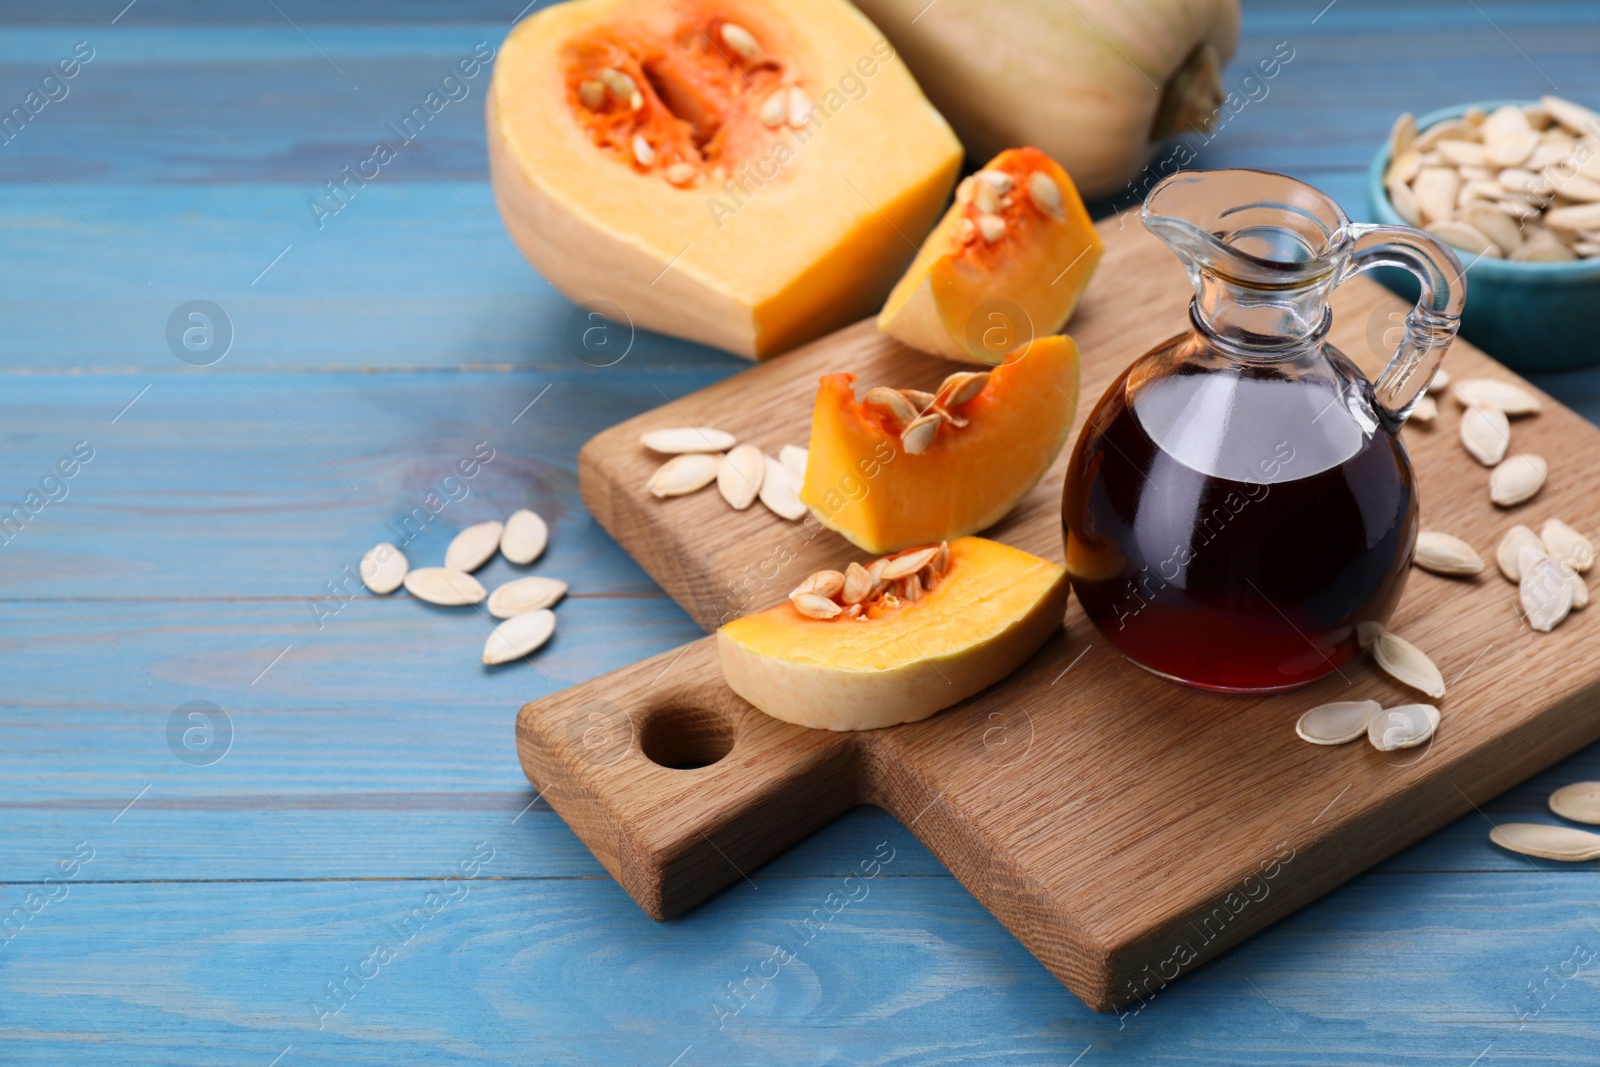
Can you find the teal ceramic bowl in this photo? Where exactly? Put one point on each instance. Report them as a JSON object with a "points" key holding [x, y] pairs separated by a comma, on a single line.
{"points": [[1529, 316]]}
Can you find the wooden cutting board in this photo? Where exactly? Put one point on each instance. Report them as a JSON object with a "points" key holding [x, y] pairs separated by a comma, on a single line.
{"points": [[1123, 828]]}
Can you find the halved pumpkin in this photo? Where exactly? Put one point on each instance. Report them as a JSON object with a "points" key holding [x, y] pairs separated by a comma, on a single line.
{"points": [[990, 608], [869, 479], [1007, 263], [737, 172]]}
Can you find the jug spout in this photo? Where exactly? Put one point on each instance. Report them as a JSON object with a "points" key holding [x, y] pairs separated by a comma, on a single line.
{"points": [[1262, 250]]}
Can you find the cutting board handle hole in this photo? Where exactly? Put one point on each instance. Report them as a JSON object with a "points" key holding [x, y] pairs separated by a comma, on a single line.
{"points": [[686, 738]]}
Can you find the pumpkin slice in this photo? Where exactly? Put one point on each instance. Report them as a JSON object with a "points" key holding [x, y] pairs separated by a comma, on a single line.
{"points": [[1006, 264], [882, 476], [969, 615], [737, 172]]}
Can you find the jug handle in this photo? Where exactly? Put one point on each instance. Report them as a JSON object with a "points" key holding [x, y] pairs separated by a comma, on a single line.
{"points": [[1430, 326]]}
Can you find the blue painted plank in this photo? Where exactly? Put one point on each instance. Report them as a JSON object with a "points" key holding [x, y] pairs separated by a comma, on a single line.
{"points": [[1400, 970]]}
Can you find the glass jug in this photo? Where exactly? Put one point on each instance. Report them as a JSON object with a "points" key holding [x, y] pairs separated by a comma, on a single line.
{"points": [[1239, 502]]}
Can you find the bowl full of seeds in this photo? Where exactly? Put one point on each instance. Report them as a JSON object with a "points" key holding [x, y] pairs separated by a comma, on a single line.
{"points": [[1514, 187]]}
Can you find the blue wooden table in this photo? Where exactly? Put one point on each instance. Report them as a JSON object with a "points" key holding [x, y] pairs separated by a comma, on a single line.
{"points": [[344, 863]]}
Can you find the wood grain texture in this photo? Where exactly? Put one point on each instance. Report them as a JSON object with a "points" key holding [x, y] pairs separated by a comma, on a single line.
{"points": [[1122, 827]]}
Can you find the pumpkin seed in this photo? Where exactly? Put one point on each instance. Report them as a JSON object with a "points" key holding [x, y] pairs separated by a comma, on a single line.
{"points": [[1403, 726], [986, 197], [1402, 134], [1046, 195], [1486, 434], [822, 583], [621, 84], [1425, 411], [794, 457], [592, 95], [1564, 843], [892, 402], [1573, 217], [799, 107], [1404, 202], [941, 561], [383, 568], [1462, 237], [1580, 588], [1407, 165], [1545, 595], [991, 227], [1567, 544], [445, 587], [1508, 554], [961, 387], [739, 476], [1505, 397], [680, 439], [1408, 664], [1462, 153], [1435, 190], [684, 474], [524, 538], [858, 583], [920, 434], [999, 179], [919, 398], [813, 606], [643, 154], [1336, 723], [773, 108], [780, 491], [522, 595], [1580, 120], [1544, 249], [1494, 224], [474, 546], [908, 563], [1443, 554], [741, 41], [1517, 479], [1579, 802], [680, 174], [519, 636], [1367, 633]]}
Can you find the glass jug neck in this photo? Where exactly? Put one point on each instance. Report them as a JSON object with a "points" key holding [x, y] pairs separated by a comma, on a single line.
{"points": [[1255, 321]]}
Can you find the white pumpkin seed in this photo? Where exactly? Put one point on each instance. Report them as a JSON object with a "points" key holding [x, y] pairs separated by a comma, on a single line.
{"points": [[858, 583], [892, 402], [740, 474], [1408, 664], [1407, 165], [1579, 802], [919, 399], [780, 491], [1567, 544], [920, 434], [741, 41], [519, 636], [961, 387], [1574, 217], [445, 587], [991, 227], [823, 583], [1336, 723], [908, 564], [1542, 248], [1517, 479], [619, 82], [1564, 843], [1464, 238], [684, 474], [1045, 194], [799, 107], [474, 546], [643, 153], [680, 439], [1404, 202], [680, 174], [774, 108], [524, 538], [1425, 412], [522, 595], [1506, 397], [794, 457], [1402, 134], [997, 178], [1443, 554], [1508, 554], [1486, 434], [383, 568], [1494, 224], [985, 197], [1580, 588], [1435, 189], [1576, 118], [1402, 726], [813, 606], [1545, 595]]}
